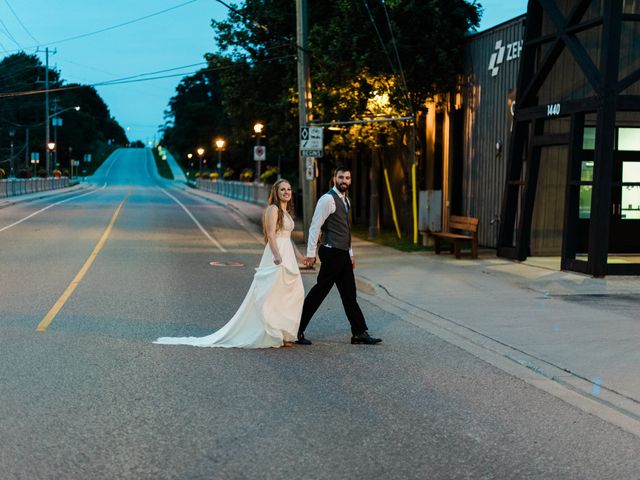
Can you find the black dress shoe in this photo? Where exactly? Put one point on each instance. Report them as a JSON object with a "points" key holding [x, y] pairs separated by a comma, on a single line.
{"points": [[302, 341], [364, 338]]}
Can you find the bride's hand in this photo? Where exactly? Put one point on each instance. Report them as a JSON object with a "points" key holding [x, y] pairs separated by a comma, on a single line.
{"points": [[277, 260]]}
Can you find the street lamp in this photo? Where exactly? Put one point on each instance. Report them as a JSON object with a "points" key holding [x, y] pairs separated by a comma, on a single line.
{"points": [[220, 143], [200, 152], [257, 128], [51, 147], [57, 122]]}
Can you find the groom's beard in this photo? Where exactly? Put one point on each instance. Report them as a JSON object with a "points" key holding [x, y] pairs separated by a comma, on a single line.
{"points": [[343, 188]]}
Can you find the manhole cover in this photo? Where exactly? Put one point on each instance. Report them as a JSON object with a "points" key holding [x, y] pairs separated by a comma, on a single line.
{"points": [[226, 264]]}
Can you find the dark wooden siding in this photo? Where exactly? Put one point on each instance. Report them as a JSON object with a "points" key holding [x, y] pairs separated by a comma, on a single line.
{"points": [[487, 120]]}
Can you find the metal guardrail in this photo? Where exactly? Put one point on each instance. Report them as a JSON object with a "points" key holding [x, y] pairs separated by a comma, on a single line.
{"points": [[257, 193], [12, 187]]}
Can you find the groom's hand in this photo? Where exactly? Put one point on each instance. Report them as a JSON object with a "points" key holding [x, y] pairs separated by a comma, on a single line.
{"points": [[310, 261], [353, 262]]}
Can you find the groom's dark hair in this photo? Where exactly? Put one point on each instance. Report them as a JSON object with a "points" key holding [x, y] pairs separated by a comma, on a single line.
{"points": [[341, 168]]}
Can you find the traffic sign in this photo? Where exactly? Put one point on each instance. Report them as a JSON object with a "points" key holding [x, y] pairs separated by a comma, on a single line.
{"points": [[310, 169], [311, 141], [259, 153], [87, 157]]}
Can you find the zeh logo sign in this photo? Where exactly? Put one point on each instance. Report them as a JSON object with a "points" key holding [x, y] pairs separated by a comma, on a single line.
{"points": [[513, 51]]}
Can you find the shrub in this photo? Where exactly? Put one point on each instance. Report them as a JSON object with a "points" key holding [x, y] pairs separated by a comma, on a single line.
{"points": [[42, 173], [246, 175], [2, 173], [57, 173], [270, 175], [228, 174], [24, 173], [213, 176]]}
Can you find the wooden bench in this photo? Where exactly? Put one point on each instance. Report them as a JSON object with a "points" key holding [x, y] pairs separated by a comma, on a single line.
{"points": [[462, 230]]}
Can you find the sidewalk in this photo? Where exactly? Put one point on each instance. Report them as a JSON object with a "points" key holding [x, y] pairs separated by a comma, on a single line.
{"points": [[543, 326]]}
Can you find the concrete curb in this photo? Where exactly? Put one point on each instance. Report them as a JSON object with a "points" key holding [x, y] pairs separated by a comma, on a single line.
{"points": [[572, 389]]}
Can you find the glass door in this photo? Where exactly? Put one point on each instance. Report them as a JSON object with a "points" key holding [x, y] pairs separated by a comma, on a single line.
{"points": [[625, 198]]}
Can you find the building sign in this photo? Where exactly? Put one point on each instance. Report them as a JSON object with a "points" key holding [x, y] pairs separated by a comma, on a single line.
{"points": [[553, 109], [512, 51], [311, 141]]}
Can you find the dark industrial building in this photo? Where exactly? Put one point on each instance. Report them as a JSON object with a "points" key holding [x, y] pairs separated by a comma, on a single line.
{"points": [[541, 142]]}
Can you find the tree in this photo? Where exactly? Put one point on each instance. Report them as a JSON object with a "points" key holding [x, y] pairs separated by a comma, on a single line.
{"points": [[86, 131]]}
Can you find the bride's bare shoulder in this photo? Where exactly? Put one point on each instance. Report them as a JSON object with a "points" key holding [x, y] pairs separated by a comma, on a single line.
{"points": [[271, 209]]}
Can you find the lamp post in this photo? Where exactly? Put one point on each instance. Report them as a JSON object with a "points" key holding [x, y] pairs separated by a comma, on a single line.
{"points": [[200, 152], [51, 147], [12, 173], [220, 143], [190, 163], [257, 128], [57, 122]]}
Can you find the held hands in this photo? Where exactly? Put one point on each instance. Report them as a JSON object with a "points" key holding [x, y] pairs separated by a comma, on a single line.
{"points": [[309, 261]]}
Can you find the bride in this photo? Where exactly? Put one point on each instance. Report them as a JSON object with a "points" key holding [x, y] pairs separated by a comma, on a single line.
{"points": [[270, 313]]}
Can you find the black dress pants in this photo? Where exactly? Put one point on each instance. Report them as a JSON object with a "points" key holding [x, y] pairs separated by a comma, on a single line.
{"points": [[335, 269]]}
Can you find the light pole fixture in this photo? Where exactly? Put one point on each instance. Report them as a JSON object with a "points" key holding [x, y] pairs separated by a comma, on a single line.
{"points": [[220, 143], [57, 122], [257, 128], [200, 152]]}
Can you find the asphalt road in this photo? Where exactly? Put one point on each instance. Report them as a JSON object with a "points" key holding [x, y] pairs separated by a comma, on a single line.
{"points": [[90, 396]]}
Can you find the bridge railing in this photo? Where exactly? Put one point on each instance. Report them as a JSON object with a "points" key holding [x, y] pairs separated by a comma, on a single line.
{"points": [[257, 193], [11, 187]]}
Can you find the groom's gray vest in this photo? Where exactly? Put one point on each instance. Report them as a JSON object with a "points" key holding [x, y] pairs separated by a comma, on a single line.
{"points": [[336, 229]]}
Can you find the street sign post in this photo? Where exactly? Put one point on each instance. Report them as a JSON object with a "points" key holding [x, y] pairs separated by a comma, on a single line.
{"points": [[311, 139]]}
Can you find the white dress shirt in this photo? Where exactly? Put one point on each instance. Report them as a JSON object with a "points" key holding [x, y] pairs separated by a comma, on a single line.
{"points": [[325, 207]]}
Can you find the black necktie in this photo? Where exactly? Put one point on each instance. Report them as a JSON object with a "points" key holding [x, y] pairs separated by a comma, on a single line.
{"points": [[346, 202]]}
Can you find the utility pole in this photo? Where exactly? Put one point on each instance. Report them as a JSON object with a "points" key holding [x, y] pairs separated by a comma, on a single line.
{"points": [[304, 112], [46, 109], [26, 148]]}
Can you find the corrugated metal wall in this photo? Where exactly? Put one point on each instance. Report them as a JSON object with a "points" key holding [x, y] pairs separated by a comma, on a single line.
{"points": [[487, 98]]}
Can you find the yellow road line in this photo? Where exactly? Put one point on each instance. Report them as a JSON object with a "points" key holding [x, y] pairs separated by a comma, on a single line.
{"points": [[48, 318]]}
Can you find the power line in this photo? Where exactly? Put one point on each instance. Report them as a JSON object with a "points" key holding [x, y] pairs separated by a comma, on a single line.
{"points": [[386, 52], [7, 34], [242, 15], [395, 49], [20, 21], [132, 79], [102, 30]]}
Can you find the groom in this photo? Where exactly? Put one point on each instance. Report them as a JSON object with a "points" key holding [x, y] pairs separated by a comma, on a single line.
{"points": [[331, 216]]}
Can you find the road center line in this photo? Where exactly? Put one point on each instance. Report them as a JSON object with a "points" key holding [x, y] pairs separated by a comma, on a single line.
{"points": [[48, 318], [45, 208], [202, 229]]}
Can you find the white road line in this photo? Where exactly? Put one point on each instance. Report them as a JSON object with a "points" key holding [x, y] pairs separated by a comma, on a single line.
{"points": [[206, 234], [46, 208]]}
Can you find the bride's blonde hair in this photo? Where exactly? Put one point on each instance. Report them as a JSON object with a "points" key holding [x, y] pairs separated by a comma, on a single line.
{"points": [[275, 200]]}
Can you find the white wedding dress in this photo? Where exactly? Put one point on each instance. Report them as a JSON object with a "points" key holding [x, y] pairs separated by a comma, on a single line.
{"points": [[270, 313]]}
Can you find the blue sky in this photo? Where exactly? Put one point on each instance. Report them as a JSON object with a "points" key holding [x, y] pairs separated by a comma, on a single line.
{"points": [[173, 39]]}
